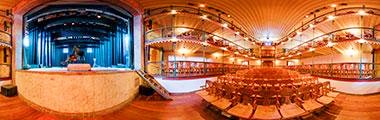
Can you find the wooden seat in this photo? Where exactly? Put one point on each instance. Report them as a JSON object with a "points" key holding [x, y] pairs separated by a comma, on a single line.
{"points": [[242, 111], [291, 111], [325, 100], [311, 105], [332, 94], [266, 112]]}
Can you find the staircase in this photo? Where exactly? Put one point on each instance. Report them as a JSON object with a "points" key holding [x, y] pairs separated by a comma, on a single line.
{"points": [[155, 85]]}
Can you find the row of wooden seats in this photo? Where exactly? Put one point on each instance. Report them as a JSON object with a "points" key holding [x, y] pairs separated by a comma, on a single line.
{"points": [[268, 102]]}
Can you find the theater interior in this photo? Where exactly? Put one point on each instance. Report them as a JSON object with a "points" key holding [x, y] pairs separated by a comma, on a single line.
{"points": [[189, 59]]}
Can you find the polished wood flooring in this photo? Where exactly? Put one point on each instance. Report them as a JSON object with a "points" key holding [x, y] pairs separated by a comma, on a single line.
{"points": [[191, 107]]}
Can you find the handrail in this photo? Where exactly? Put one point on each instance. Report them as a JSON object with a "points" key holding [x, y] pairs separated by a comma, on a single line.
{"points": [[171, 27], [323, 15], [329, 33], [198, 11]]}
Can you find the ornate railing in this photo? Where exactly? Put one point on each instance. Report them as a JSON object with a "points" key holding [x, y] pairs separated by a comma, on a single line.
{"points": [[192, 68], [315, 20], [338, 70], [341, 35]]}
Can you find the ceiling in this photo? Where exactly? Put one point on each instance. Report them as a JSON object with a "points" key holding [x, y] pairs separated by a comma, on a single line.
{"points": [[266, 18]]}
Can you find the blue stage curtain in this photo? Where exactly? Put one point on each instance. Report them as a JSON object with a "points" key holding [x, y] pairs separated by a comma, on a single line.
{"points": [[116, 51]]}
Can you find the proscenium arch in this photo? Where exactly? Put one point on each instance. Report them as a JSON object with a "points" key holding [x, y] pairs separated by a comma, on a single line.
{"points": [[24, 6]]}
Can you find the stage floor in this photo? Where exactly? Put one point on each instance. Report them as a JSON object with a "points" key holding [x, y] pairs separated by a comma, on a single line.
{"points": [[183, 86]]}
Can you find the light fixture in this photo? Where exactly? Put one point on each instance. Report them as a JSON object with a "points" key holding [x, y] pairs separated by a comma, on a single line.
{"points": [[333, 5], [330, 44], [228, 15], [204, 16], [202, 5], [299, 53], [26, 41], [331, 17], [351, 52], [204, 43], [65, 50], [173, 12], [237, 33], [236, 52], [290, 56], [311, 49], [282, 58], [311, 26], [99, 16], [299, 32], [225, 25], [362, 12], [216, 54], [246, 38], [223, 48], [183, 51], [72, 23], [306, 16], [174, 39], [361, 40]]}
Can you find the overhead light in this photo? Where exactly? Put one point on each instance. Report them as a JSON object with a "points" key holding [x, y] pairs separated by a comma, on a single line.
{"points": [[362, 13], [173, 12], [72, 23], [306, 16], [311, 49], [290, 56], [299, 32], [99, 16], [228, 15], [204, 43], [282, 58], [330, 44], [204, 16], [350, 52], [216, 54], [333, 5], [361, 40], [202, 5], [225, 25], [183, 51], [311, 26], [174, 39], [331, 17]]}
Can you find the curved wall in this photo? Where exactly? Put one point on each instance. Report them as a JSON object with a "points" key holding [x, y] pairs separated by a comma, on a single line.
{"points": [[77, 92]]}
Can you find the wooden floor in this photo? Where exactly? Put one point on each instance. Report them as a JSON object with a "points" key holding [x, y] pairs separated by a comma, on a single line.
{"points": [[191, 107]]}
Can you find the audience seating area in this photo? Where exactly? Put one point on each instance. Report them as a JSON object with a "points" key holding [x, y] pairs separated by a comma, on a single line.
{"points": [[193, 69], [267, 93], [338, 70]]}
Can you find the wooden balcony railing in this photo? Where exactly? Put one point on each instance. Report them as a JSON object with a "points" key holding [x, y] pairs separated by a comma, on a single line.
{"points": [[338, 70], [192, 68]]}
